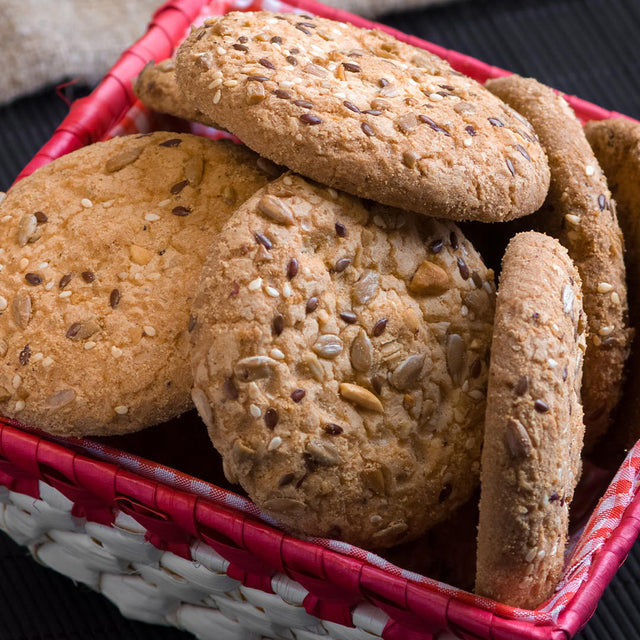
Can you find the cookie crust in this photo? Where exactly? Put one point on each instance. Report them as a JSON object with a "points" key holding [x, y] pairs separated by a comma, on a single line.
{"points": [[339, 361]]}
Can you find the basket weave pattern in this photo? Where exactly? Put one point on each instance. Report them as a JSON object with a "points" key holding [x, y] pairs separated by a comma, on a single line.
{"points": [[160, 587], [171, 549]]}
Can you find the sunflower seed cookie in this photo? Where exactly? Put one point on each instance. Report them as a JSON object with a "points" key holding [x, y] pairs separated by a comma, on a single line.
{"points": [[533, 427], [100, 251], [616, 144], [579, 211], [339, 359], [361, 111], [157, 89]]}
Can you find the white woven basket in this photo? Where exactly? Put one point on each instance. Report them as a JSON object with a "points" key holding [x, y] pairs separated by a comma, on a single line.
{"points": [[159, 587]]}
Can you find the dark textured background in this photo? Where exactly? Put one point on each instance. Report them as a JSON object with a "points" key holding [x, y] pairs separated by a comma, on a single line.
{"points": [[583, 47]]}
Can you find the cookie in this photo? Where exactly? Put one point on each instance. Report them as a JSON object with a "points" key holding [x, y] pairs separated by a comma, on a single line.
{"points": [[533, 433], [362, 112], [616, 144], [157, 89], [339, 362], [579, 211], [101, 250]]}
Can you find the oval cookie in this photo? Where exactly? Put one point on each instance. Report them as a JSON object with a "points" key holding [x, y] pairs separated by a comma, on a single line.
{"points": [[579, 211], [360, 111], [533, 427], [616, 144], [101, 250], [339, 362]]}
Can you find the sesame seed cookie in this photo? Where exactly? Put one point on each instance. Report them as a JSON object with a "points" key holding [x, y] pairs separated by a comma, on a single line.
{"points": [[101, 250], [579, 212], [339, 354], [361, 111], [156, 87], [533, 433], [616, 144]]}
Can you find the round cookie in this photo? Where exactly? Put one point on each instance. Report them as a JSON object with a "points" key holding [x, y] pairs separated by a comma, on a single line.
{"points": [[339, 359], [533, 427], [579, 211], [361, 111], [156, 87], [101, 250]]}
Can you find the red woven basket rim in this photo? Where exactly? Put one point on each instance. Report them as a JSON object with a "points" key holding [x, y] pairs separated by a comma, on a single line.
{"points": [[409, 603]]}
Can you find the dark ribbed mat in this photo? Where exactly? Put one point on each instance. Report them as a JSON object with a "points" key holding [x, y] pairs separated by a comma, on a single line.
{"points": [[584, 47]]}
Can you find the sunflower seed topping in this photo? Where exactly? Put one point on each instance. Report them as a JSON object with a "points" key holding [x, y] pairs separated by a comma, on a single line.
{"points": [[568, 296], [275, 209], [27, 229], [123, 159], [456, 358], [366, 287], [361, 353], [21, 309], [60, 398], [328, 346], [254, 368], [516, 439], [194, 170], [406, 374], [322, 453]]}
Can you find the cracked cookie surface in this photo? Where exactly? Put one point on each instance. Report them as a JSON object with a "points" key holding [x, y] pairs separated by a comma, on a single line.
{"points": [[339, 357], [534, 430], [361, 111], [101, 250], [580, 212]]}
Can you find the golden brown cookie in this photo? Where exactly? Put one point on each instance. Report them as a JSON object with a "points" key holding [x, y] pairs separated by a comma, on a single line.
{"points": [[533, 427], [616, 144], [157, 89], [579, 211], [101, 250], [339, 362], [360, 111]]}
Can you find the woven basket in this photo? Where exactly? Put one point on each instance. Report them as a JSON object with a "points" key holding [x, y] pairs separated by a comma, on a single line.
{"points": [[168, 548]]}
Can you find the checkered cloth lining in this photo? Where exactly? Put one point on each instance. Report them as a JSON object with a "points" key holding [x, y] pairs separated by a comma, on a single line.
{"points": [[583, 545]]}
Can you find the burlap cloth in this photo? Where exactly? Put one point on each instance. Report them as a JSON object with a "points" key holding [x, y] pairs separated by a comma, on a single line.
{"points": [[43, 42]]}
